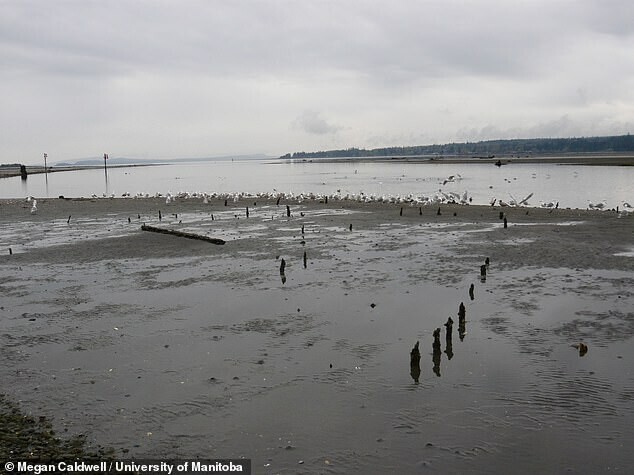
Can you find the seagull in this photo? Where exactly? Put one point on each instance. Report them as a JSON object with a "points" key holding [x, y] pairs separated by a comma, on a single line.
{"points": [[525, 200]]}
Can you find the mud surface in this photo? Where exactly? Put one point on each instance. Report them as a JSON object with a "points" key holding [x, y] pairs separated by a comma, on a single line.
{"points": [[161, 346]]}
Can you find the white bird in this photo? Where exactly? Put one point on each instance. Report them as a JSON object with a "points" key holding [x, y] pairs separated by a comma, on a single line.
{"points": [[449, 179], [525, 200]]}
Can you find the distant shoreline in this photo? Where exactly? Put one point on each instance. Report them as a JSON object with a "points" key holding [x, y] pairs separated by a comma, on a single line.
{"points": [[585, 160], [11, 171]]}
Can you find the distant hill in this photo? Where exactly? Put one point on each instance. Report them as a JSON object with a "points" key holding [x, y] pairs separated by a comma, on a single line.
{"points": [[489, 148], [141, 161], [87, 162]]}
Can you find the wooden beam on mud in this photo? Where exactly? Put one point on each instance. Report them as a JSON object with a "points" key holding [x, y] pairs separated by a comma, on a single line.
{"points": [[154, 229]]}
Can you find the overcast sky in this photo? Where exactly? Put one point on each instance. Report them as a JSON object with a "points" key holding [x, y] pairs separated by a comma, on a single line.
{"points": [[163, 79]]}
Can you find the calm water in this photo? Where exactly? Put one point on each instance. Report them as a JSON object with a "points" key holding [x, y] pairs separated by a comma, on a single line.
{"points": [[571, 186]]}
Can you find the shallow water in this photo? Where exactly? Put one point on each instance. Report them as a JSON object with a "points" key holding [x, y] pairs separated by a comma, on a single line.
{"points": [[214, 356], [571, 186]]}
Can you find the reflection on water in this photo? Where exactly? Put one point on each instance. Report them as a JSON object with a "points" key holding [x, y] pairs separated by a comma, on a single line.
{"points": [[572, 186]]}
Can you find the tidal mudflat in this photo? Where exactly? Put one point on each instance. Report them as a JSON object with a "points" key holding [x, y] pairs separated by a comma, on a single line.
{"points": [[157, 345]]}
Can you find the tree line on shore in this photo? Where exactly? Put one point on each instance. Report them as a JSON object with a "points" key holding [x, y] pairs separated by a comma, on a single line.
{"points": [[488, 148]]}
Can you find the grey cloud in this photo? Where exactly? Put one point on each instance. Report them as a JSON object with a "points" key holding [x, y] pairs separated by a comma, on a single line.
{"points": [[384, 69], [425, 39], [311, 122]]}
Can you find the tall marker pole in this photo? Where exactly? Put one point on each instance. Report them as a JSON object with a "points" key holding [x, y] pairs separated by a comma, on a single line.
{"points": [[105, 157], [45, 168]]}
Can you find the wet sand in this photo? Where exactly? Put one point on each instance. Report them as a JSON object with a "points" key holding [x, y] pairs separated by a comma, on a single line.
{"points": [[159, 346]]}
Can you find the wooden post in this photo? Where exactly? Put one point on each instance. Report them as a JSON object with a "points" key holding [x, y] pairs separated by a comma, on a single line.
{"points": [[436, 352], [414, 363], [282, 274], [471, 289], [461, 312], [448, 338], [505, 223]]}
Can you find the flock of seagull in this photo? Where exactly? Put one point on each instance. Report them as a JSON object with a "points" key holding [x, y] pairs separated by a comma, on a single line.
{"points": [[440, 197]]}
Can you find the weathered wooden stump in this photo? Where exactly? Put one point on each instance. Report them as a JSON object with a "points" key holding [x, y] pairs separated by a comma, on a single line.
{"points": [[436, 352], [449, 338], [461, 312], [414, 363]]}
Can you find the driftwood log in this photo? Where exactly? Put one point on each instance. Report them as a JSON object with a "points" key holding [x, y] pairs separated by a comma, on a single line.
{"points": [[153, 229]]}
